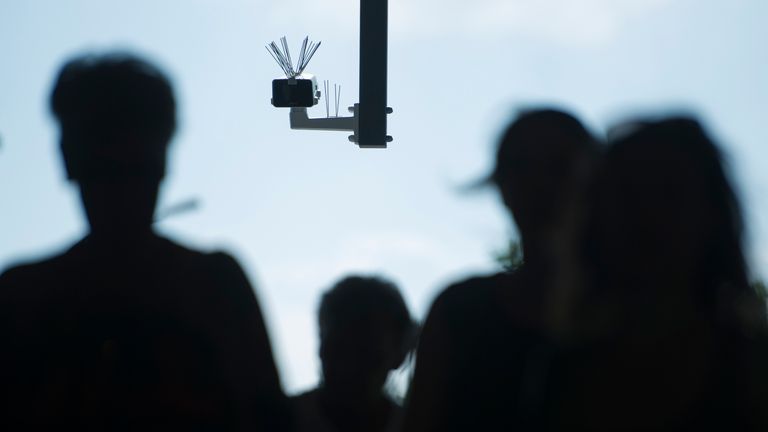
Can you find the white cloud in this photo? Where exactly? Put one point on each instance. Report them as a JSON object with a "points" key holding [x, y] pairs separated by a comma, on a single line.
{"points": [[570, 22]]}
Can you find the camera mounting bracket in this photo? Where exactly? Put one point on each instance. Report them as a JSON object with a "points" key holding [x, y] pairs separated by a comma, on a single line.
{"points": [[299, 119], [369, 117]]}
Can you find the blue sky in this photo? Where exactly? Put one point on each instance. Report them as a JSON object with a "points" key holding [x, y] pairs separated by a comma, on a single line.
{"points": [[299, 208]]}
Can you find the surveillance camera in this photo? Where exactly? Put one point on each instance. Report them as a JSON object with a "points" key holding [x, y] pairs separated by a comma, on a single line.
{"points": [[297, 91]]}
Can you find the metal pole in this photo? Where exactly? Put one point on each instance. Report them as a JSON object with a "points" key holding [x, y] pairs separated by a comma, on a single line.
{"points": [[373, 74]]}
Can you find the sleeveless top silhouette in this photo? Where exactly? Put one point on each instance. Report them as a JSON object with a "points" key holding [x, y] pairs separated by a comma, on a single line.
{"points": [[146, 335], [493, 359]]}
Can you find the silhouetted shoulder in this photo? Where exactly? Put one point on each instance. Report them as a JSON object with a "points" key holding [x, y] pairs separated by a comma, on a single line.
{"points": [[24, 267], [471, 296], [216, 258], [471, 290], [158, 301], [223, 266], [226, 277], [19, 280], [206, 288], [472, 353], [89, 257], [458, 307], [226, 267]]}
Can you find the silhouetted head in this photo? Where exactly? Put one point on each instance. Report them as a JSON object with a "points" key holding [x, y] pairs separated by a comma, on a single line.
{"points": [[539, 157], [664, 216], [117, 114], [366, 331]]}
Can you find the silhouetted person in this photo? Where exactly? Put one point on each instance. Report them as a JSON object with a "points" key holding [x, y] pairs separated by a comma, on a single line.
{"points": [[482, 359], [366, 332], [672, 337], [127, 330]]}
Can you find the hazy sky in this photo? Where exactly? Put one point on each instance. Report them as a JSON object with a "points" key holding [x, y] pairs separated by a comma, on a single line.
{"points": [[299, 208]]}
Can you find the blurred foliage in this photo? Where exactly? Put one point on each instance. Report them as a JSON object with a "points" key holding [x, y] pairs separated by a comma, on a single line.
{"points": [[761, 289], [511, 258]]}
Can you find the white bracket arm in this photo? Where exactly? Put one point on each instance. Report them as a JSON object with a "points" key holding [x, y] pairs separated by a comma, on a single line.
{"points": [[299, 119]]}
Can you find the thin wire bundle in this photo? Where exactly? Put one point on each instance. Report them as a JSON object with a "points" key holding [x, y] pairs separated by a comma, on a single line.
{"points": [[336, 97], [282, 56], [326, 83]]}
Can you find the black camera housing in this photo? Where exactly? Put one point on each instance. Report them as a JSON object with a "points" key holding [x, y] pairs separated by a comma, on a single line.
{"points": [[299, 91]]}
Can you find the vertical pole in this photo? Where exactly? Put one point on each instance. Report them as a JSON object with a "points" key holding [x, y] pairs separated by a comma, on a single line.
{"points": [[373, 74]]}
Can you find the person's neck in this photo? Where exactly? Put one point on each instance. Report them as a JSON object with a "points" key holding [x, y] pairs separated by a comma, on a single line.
{"points": [[115, 237]]}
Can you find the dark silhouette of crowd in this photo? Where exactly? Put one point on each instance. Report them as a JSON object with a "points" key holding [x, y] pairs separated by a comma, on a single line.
{"points": [[632, 308]]}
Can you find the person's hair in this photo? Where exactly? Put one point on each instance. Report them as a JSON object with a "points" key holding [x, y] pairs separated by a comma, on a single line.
{"points": [[721, 279], [537, 127], [105, 101], [544, 158], [358, 297]]}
